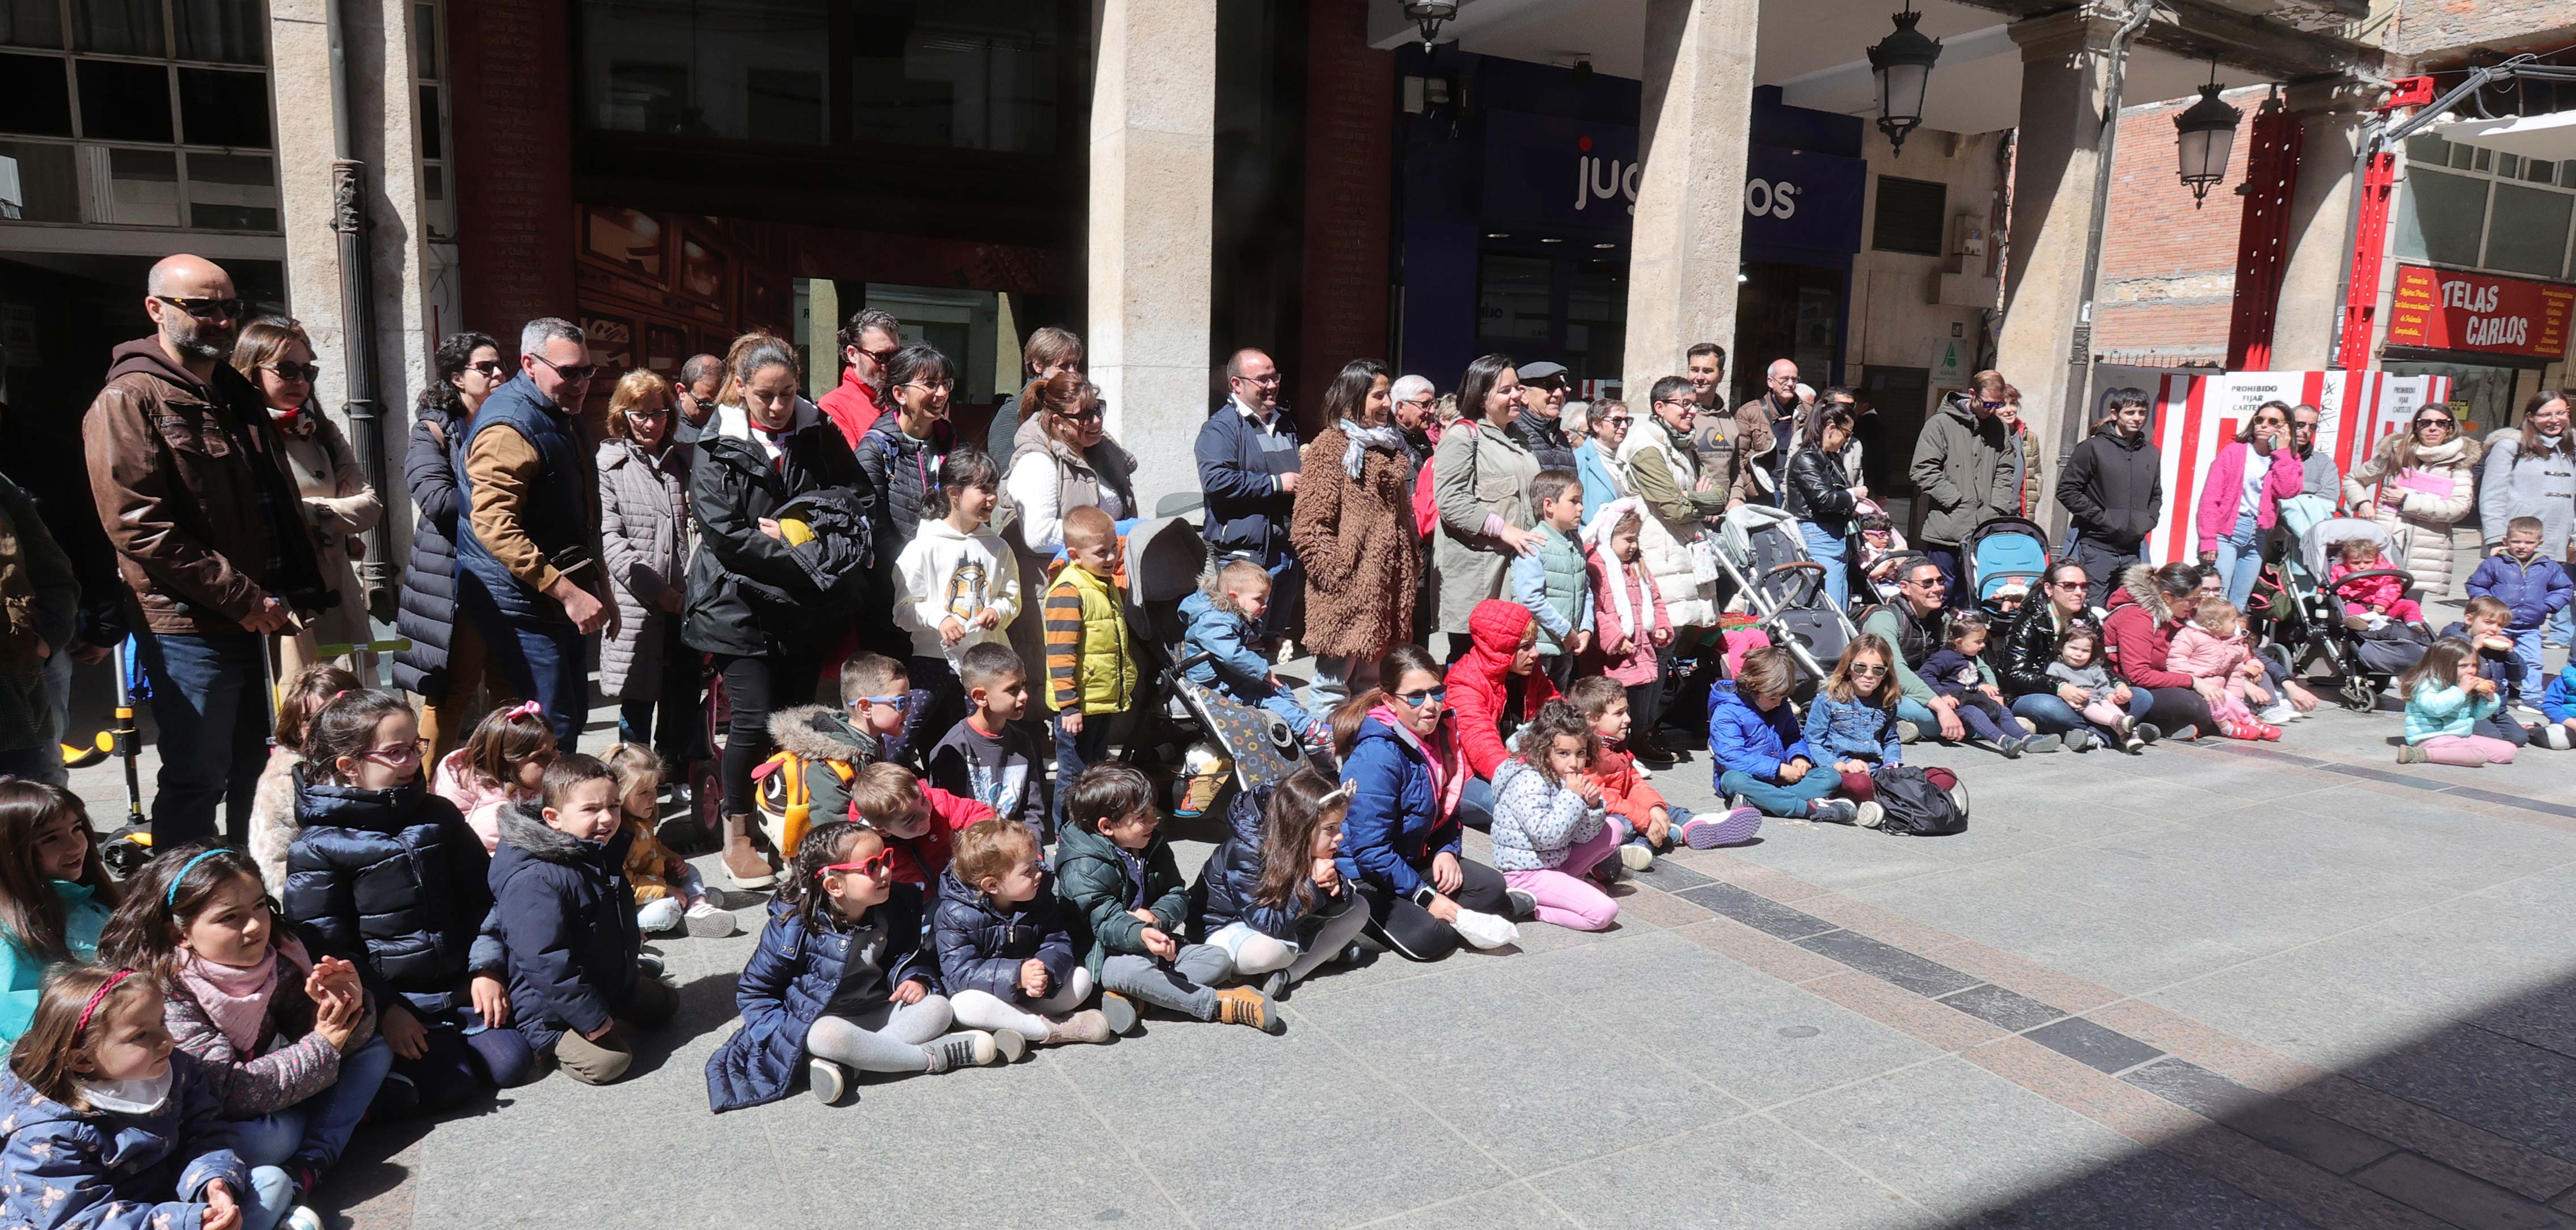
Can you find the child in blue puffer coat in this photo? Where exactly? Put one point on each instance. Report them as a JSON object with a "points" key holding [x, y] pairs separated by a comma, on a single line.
{"points": [[1002, 944], [1225, 623], [1761, 755], [2558, 704]]}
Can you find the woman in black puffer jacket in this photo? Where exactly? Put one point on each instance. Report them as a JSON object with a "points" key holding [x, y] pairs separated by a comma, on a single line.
{"points": [[444, 666], [1825, 494], [2022, 656]]}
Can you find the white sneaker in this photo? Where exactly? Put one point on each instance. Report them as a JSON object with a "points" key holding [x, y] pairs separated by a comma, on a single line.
{"points": [[830, 1081], [2280, 712], [1485, 931], [1870, 815], [658, 915], [1638, 858], [707, 922]]}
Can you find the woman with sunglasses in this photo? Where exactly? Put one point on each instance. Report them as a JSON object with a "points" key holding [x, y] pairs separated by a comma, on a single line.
{"points": [[1061, 459], [444, 666], [644, 539], [1601, 428], [338, 505], [2023, 654], [2240, 498], [2427, 481], [1401, 838]]}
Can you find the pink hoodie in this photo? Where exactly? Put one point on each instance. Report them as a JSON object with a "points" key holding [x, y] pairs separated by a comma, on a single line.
{"points": [[479, 797]]}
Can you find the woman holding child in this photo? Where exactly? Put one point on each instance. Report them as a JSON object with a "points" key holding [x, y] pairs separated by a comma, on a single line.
{"points": [[1351, 527], [2030, 646]]}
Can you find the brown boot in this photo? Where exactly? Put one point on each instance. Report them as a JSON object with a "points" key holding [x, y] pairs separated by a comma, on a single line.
{"points": [[1247, 1006], [743, 861]]}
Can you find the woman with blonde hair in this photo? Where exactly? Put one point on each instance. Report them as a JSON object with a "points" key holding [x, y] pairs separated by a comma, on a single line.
{"points": [[644, 539], [338, 503]]}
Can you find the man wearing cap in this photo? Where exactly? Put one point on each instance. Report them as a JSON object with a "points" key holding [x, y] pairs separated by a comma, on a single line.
{"points": [[1539, 428]]}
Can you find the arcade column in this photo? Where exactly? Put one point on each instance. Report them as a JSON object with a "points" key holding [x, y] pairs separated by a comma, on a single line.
{"points": [[2330, 115], [1688, 240]]}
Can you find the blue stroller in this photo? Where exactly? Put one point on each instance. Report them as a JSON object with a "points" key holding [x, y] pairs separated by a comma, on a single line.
{"points": [[2002, 551]]}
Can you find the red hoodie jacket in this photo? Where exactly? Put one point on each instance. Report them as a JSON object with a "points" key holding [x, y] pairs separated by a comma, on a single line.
{"points": [[1478, 683], [919, 861], [2138, 632], [851, 405]]}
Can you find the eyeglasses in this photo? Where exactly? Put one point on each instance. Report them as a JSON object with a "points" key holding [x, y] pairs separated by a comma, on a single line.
{"points": [[1425, 696], [1678, 401], [2433, 422], [1272, 378], [1426, 401], [292, 372], [407, 753], [874, 866], [2066, 584], [942, 386], [205, 309], [2270, 423], [897, 702], [493, 368], [576, 372], [648, 416]]}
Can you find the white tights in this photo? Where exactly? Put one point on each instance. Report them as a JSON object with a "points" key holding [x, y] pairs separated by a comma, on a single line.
{"points": [[1028, 1018]]}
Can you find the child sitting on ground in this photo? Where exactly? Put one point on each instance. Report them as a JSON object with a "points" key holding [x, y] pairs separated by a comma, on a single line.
{"points": [[568, 923], [2211, 649], [1224, 619], [986, 756], [54, 890], [288, 1043], [960, 581], [1549, 826], [2372, 605], [840, 983], [272, 808], [1271, 896], [2445, 699], [669, 893], [1959, 669], [108, 1125], [502, 762], [1762, 757], [2106, 700], [2482, 626], [920, 823], [1091, 666], [1125, 904], [2533, 588], [2558, 706], [1000, 937], [1852, 720], [1552, 580]]}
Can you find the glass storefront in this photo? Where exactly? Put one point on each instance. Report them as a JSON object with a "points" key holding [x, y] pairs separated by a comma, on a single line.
{"points": [[1568, 309], [2483, 398]]}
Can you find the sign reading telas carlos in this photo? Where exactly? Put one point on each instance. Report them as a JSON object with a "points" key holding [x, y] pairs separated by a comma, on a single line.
{"points": [[2443, 310]]}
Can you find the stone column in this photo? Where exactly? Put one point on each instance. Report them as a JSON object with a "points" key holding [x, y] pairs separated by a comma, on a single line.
{"points": [[1688, 239], [379, 41], [2062, 78], [1153, 189], [2330, 114]]}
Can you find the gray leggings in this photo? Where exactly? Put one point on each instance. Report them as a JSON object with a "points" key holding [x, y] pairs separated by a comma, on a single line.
{"points": [[1181, 986], [882, 1037]]}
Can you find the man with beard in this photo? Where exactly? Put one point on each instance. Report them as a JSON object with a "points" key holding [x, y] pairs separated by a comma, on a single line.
{"points": [[183, 465]]}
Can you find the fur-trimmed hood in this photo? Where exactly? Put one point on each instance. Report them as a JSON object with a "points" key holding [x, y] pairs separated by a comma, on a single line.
{"points": [[818, 732], [523, 825], [2138, 585]]}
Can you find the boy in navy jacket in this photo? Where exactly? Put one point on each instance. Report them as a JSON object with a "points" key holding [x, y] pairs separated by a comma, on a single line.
{"points": [[2534, 588], [568, 923]]}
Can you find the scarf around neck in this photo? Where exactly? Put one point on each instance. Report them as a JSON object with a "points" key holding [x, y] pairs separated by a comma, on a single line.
{"points": [[235, 998], [1386, 438]]}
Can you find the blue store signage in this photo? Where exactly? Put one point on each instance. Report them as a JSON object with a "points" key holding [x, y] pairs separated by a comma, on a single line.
{"points": [[1563, 175]]}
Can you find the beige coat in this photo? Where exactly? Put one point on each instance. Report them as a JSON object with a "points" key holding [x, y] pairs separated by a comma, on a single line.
{"points": [[2421, 523], [1476, 472], [338, 506]]}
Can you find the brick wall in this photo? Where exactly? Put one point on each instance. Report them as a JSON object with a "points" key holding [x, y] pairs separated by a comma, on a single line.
{"points": [[2439, 30], [1350, 135], [511, 115], [2168, 269]]}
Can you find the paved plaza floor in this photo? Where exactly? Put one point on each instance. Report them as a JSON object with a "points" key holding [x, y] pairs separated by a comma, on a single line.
{"points": [[2217, 985]]}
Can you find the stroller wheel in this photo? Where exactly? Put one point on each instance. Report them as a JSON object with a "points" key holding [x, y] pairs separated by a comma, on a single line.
{"points": [[2358, 694]]}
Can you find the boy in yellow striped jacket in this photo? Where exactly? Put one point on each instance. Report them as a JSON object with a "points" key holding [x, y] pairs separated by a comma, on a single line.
{"points": [[1091, 668]]}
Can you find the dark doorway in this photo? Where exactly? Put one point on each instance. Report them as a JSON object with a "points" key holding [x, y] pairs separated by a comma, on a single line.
{"points": [[1785, 311], [1900, 395]]}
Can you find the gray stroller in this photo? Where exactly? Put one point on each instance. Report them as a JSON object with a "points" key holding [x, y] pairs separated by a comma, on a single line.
{"points": [[1760, 550]]}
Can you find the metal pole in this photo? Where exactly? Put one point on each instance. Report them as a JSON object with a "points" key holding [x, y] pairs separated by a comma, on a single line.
{"points": [[2077, 407], [357, 305]]}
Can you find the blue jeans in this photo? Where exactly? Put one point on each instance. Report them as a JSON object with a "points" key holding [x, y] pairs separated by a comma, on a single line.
{"points": [[2526, 646], [315, 1131], [543, 661], [2240, 558], [1772, 799], [2051, 715], [1828, 550], [2562, 626], [271, 1195], [1073, 752], [210, 699], [1476, 804]]}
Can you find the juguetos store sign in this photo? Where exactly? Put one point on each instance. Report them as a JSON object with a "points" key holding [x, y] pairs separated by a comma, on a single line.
{"points": [[2439, 309]]}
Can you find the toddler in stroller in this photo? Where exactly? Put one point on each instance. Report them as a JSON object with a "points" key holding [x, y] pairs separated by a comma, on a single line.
{"points": [[1222, 646], [2371, 604]]}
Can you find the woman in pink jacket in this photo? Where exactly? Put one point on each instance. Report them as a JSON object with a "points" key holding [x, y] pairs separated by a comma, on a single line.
{"points": [[2240, 501]]}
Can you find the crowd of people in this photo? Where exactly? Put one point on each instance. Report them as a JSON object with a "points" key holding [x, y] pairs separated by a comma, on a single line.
{"points": [[420, 893]]}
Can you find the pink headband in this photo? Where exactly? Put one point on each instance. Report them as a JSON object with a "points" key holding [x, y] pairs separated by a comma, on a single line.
{"points": [[527, 709], [95, 998]]}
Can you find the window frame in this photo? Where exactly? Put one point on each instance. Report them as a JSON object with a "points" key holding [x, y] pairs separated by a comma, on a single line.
{"points": [[2461, 160]]}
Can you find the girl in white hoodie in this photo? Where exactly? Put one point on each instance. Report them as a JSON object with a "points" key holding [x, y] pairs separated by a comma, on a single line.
{"points": [[961, 583]]}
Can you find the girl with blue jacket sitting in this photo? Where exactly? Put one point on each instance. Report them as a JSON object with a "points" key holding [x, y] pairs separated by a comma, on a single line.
{"points": [[54, 893], [1762, 756], [1002, 945], [2558, 705], [104, 1127], [1401, 839], [1272, 897], [2446, 697], [1852, 720], [1225, 623], [840, 982]]}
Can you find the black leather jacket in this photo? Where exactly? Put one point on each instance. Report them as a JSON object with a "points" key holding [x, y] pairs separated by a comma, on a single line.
{"points": [[1820, 491], [2022, 656]]}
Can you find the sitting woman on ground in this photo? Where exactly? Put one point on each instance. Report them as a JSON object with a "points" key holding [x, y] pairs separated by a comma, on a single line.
{"points": [[2151, 604], [1401, 839], [2022, 655]]}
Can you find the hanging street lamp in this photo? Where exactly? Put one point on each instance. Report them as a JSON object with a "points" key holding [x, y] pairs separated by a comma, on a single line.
{"points": [[2203, 137], [1428, 14], [1902, 62]]}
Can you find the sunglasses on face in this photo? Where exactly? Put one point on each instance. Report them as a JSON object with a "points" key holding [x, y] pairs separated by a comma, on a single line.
{"points": [[2066, 585], [205, 309], [2433, 422], [895, 702], [577, 371], [1871, 669], [492, 368], [1092, 415], [1423, 697], [292, 372], [875, 866], [1619, 421]]}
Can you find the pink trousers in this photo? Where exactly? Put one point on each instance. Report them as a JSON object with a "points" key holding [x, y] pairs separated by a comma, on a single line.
{"points": [[1565, 895], [2467, 751]]}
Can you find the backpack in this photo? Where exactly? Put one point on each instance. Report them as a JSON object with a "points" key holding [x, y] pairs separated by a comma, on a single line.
{"points": [[786, 800], [1918, 801]]}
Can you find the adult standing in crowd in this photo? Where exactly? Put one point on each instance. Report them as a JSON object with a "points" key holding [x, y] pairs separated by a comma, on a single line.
{"points": [[750, 601], [1353, 530], [1247, 458], [2114, 492], [2427, 480], [1662, 470], [184, 470], [1960, 473], [900, 456], [337, 504], [2531, 473], [693, 396], [2240, 499], [2152, 604], [1048, 351], [1768, 430], [1824, 494], [1711, 437], [869, 339], [2021, 452], [2318, 476], [1062, 460], [2022, 653], [445, 665], [1541, 427], [1482, 474], [44, 459], [43, 607], [644, 537], [1596, 459], [1414, 400], [527, 566]]}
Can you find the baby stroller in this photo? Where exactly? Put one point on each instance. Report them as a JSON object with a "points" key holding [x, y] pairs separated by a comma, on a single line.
{"points": [[1202, 742], [1761, 552], [2002, 551], [2307, 619]]}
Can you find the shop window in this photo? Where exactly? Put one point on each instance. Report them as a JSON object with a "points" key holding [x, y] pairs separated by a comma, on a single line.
{"points": [[142, 187], [1512, 301], [965, 74], [231, 192], [31, 23], [224, 108], [124, 102], [2441, 218], [1910, 216], [746, 69], [37, 183], [2530, 231], [33, 96], [221, 31], [2428, 149], [118, 27]]}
